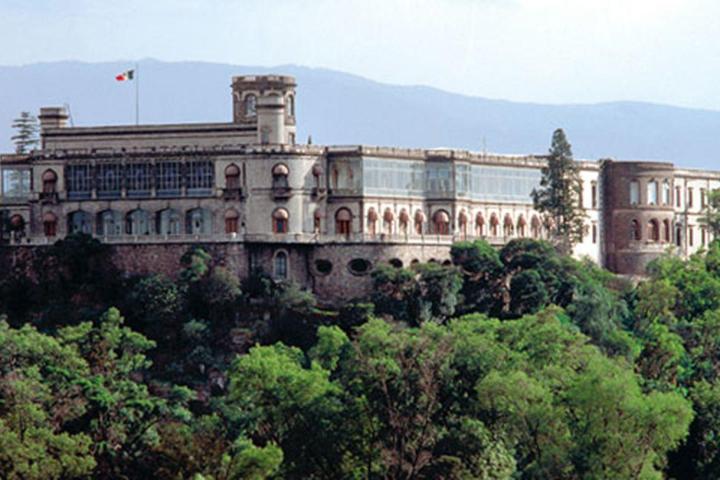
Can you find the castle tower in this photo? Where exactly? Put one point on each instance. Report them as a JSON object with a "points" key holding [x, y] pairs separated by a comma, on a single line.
{"points": [[266, 102]]}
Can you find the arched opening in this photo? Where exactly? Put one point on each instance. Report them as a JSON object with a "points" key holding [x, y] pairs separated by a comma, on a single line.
{"points": [[317, 172], [419, 222], [535, 226], [372, 218], [291, 105], [169, 222], [318, 215], [388, 221], [343, 222], [250, 105], [138, 222], [462, 223], [652, 192], [507, 225], [634, 192], [280, 220], [666, 230], [678, 235], [323, 267], [49, 224], [521, 224], [80, 221], [396, 262], [49, 181], [494, 223], [232, 177], [666, 192], [479, 225], [232, 221], [404, 220], [359, 266], [654, 230], [635, 233], [441, 222], [17, 226], [280, 265], [280, 174], [198, 221], [109, 223]]}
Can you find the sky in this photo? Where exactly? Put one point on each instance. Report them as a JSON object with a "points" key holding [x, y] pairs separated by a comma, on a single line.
{"points": [[544, 51]]}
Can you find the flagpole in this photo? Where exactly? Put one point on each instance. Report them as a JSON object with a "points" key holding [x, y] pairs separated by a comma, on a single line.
{"points": [[137, 95]]}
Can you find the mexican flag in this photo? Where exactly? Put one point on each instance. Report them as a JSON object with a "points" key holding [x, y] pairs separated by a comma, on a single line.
{"points": [[125, 76]]}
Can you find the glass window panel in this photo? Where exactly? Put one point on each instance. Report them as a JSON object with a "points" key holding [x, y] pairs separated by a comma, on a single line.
{"points": [[139, 179], [168, 178], [16, 182], [78, 179]]}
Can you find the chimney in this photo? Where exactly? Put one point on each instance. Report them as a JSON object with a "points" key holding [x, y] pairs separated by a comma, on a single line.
{"points": [[52, 117]]}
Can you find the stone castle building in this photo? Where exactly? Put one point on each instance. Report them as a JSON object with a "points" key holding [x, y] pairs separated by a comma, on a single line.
{"points": [[320, 215]]}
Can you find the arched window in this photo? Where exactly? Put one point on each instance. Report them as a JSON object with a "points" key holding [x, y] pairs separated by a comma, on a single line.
{"points": [[372, 218], [250, 105], [291, 105], [169, 222], [343, 222], [652, 192], [232, 177], [535, 226], [419, 222], [280, 176], [653, 230], [521, 226], [280, 265], [80, 222], [388, 220], [138, 222], [404, 220], [678, 235], [634, 192], [317, 220], [441, 222], [232, 220], [280, 220], [462, 223], [494, 222], [507, 225], [479, 225], [49, 180], [666, 230], [666, 192], [50, 224], [17, 226], [198, 221], [109, 223], [317, 172], [635, 233]]}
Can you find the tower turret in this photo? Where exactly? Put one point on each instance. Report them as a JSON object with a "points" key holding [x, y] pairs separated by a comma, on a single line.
{"points": [[268, 103]]}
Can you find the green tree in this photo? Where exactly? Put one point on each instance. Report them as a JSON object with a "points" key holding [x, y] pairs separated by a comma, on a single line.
{"points": [[712, 213], [558, 197], [27, 129]]}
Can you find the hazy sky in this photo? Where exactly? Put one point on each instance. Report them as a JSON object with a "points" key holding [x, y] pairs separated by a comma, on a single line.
{"points": [[558, 51]]}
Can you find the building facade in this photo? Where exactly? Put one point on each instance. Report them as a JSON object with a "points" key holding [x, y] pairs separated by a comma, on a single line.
{"points": [[320, 215]]}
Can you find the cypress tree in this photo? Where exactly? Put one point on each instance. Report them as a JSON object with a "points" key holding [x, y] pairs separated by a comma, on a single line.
{"points": [[27, 132]]}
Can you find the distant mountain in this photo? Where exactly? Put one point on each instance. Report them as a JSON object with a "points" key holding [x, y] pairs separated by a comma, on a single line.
{"points": [[338, 108]]}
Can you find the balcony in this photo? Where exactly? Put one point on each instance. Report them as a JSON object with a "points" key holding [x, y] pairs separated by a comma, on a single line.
{"points": [[236, 193], [49, 198], [281, 193]]}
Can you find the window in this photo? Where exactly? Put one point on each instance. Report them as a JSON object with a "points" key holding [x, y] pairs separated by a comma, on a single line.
{"points": [[291, 105], [280, 174], [109, 223], [50, 224], [678, 197], [388, 220], [78, 181], [200, 177], [691, 236], [689, 201], [419, 222], [17, 226], [703, 198], [535, 226], [479, 224], [109, 180], [666, 192], [441, 223], [634, 192], [594, 233], [593, 194], [49, 180], [323, 267], [494, 222], [666, 230], [462, 223], [280, 265], [343, 222], [139, 180], [168, 179], [80, 222], [231, 221], [198, 221], [138, 222], [16, 182], [317, 220], [652, 192], [678, 235], [359, 266], [396, 262], [169, 222], [404, 220], [635, 233], [703, 236], [372, 217], [521, 226], [232, 177], [250, 105], [653, 230], [507, 225], [280, 221]]}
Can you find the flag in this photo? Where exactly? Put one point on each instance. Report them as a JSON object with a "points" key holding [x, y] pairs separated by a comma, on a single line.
{"points": [[125, 76]]}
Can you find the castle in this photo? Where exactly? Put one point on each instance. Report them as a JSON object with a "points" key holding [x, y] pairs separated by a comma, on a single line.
{"points": [[320, 215]]}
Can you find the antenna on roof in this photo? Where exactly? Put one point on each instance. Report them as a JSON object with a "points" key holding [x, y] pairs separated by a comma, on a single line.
{"points": [[70, 117], [484, 149]]}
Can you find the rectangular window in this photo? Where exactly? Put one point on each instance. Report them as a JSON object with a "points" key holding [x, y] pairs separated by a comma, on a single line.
{"points": [[703, 198], [678, 197], [78, 180], [200, 176], [168, 179], [634, 193], [691, 237], [689, 201], [139, 179], [109, 180], [593, 195], [703, 236], [594, 233], [16, 183]]}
